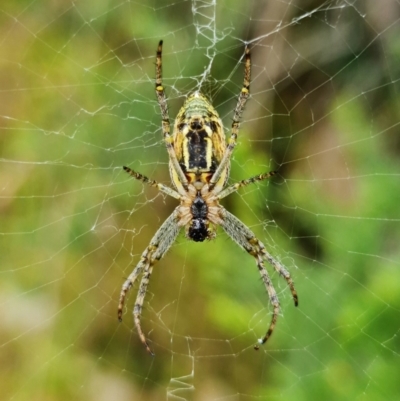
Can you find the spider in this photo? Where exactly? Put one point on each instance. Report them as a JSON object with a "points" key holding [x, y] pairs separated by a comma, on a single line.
{"points": [[199, 162]]}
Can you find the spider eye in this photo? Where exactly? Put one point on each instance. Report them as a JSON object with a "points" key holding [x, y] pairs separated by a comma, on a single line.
{"points": [[198, 231]]}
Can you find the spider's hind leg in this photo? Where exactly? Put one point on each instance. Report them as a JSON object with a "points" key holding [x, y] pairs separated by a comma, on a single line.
{"points": [[242, 99], [166, 126]]}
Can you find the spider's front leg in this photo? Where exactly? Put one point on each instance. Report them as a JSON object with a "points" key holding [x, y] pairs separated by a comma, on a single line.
{"points": [[137, 309], [273, 297], [159, 245], [246, 239], [146, 263]]}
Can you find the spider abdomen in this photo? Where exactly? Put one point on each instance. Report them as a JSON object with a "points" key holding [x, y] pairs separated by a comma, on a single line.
{"points": [[199, 148], [198, 140]]}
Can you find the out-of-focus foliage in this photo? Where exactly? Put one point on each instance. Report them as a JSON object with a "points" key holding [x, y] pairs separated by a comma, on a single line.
{"points": [[77, 102]]}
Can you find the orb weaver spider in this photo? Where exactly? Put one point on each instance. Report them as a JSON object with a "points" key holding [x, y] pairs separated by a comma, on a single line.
{"points": [[199, 162]]}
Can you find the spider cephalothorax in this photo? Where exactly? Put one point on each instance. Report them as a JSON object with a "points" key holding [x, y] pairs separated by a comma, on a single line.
{"points": [[198, 229], [199, 160]]}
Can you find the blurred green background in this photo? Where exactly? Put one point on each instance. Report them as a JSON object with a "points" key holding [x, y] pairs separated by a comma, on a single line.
{"points": [[77, 102]]}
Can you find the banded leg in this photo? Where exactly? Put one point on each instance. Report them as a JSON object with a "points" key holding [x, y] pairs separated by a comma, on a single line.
{"points": [[243, 96], [161, 187], [159, 245], [235, 187], [279, 268], [166, 127], [273, 298], [137, 309], [246, 239]]}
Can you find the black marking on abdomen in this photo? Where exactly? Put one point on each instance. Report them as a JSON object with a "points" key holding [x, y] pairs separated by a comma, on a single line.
{"points": [[198, 143]]}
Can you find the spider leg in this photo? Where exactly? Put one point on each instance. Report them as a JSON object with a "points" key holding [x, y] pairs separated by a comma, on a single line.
{"points": [[281, 270], [161, 187], [137, 309], [246, 239], [159, 245], [243, 96], [166, 127], [235, 187]]}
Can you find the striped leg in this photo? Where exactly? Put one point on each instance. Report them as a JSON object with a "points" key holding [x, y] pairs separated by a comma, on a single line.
{"points": [[246, 239], [137, 310], [235, 187], [166, 127], [162, 188], [273, 298], [243, 96], [159, 245]]}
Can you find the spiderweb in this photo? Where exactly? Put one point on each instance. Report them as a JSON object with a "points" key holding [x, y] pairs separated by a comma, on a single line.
{"points": [[78, 102]]}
